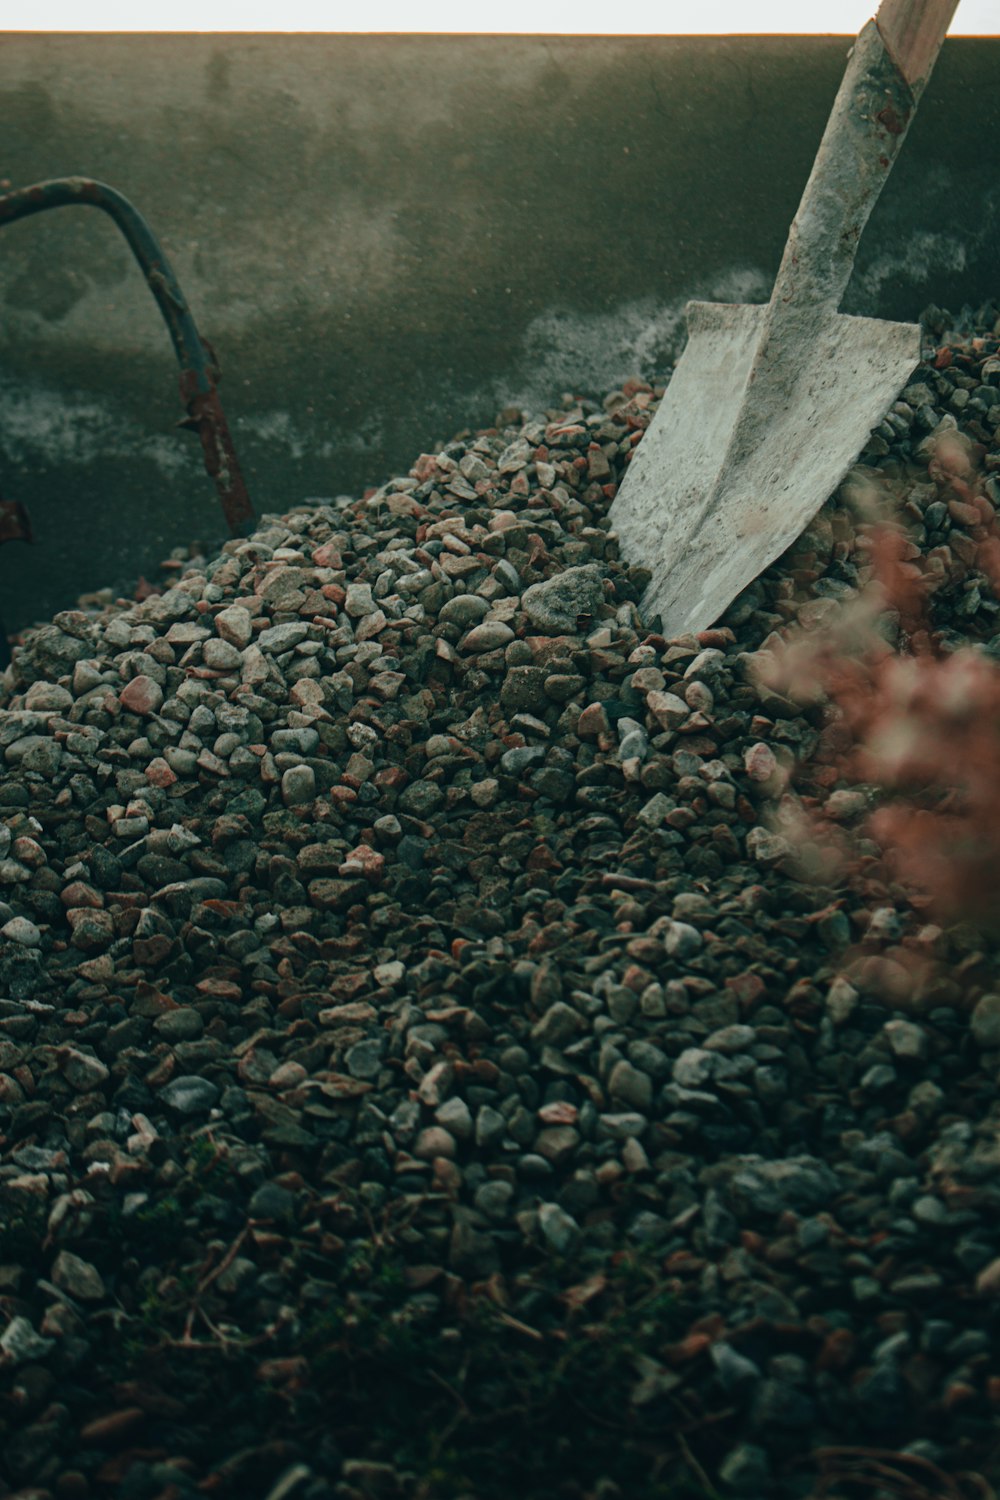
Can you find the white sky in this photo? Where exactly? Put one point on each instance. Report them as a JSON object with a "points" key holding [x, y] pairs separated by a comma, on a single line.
{"points": [[602, 17]]}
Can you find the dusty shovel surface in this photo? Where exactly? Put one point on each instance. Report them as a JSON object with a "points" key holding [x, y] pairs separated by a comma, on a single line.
{"points": [[426, 1069]]}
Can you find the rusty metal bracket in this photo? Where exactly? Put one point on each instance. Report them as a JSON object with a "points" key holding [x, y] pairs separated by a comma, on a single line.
{"points": [[199, 369]]}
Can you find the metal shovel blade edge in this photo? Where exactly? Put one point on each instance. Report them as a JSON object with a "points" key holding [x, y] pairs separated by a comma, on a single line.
{"points": [[706, 528]]}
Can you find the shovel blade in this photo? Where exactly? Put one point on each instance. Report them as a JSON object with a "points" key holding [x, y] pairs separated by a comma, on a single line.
{"points": [[672, 473], [733, 468]]}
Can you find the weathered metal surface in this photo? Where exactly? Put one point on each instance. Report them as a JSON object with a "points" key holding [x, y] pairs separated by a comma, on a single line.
{"points": [[15, 526], [348, 328], [199, 367], [770, 405]]}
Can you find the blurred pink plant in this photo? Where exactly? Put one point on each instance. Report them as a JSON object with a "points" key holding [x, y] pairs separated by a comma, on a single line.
{"points": [[922, 728]]}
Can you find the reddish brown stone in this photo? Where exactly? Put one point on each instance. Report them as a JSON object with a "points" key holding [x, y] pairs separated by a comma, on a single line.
{"points": [[141, 696]]}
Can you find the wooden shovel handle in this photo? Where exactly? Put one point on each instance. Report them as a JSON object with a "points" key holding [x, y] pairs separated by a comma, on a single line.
{"points": [[888, 67], [912, 31]]}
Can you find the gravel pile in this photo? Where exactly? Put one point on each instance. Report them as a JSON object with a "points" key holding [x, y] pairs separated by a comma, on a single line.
{"points": [[406, 983]]}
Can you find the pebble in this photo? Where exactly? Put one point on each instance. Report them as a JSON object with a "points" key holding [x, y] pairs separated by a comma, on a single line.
{"points": [[489, 636], [630, 1086], [985, 1023], [76, 1276], [20, 1342], [434, 1141], [465, 611], [681, 940], [694, 1067], [190, 1094], [384, 875], [746, 1470], [907, 1040], [141, 696], [801, 1183], [298, 785], [234, 625], [277, 639], [556, 605], [21, 930], [364, 1059], [559, 1229]]}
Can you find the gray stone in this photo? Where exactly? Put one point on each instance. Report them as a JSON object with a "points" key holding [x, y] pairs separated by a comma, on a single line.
{"points": [[649, 1059], [653, 812], [628, 1085], [878, 1396], [667, 709], [48, 696], [234, 625], [359, 601], [620, 1126], [494, 1199], [733, 1369], [454, 1114], [221, 655], [364, 1059], [648, 1228], [82, 1071], [421, 798], [471, 1253], [768, 848], [21, 1344], [189, 1094], [77, 1277], [985, 1023], [877, 1078], [272, 1201], [180, 1025], [21, 930], [534, 1168], [506, 574], [558, 1229], [730, 1040], [464, 610], [557, 1143], [523, 690], [515, 762], [841, 1000], [298, 786], [280, 638], [770, 1082], [434, 1141], [801, 1183], [35, 752], [681, 940], [634, 746], [907, 1040], [489, 636], [694, 1067], [555, 606], [746, 1470], [491, 1127], [558, 1025], [777, 1403], [929, 1210]]}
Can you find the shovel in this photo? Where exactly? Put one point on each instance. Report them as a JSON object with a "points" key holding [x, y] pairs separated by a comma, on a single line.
{"points": [[769, 405]]}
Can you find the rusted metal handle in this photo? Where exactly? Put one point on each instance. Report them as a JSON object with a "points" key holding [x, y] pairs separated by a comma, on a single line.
{"points": [[912, 31], [199, 369]]}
